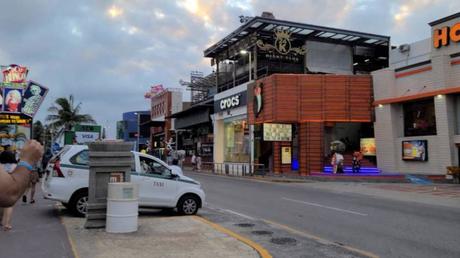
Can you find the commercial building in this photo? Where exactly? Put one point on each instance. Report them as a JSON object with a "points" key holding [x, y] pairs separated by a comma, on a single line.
{"points": [[130, 129], [417, 103], [287, 90]]}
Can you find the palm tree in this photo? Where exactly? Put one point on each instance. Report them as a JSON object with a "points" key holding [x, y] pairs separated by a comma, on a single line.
{"points": [[65, 115]]}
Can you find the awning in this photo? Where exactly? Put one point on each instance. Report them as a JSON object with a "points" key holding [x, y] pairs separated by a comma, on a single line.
{"points": [[192, 116]]}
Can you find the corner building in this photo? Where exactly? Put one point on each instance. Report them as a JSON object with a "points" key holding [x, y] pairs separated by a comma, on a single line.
{"points": [[287, 90], [417, 103]]}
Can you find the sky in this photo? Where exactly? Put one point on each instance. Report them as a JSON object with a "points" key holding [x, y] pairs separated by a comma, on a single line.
{"points": [[108, 53]]}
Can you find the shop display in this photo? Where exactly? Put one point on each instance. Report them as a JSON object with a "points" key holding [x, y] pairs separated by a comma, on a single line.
{"points": [[277, 132], [367, 146], [415, 150]]}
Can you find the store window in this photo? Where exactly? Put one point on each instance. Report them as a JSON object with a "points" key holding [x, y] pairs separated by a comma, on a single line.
{"points": [[419, 118], [236, 141]]}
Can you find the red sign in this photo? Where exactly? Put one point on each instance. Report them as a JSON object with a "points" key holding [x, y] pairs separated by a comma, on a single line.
{"points": [[14, 74]]}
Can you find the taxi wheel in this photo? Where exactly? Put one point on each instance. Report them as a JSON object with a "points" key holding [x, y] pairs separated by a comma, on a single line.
{"points": [[188, 205], [79, 202]]}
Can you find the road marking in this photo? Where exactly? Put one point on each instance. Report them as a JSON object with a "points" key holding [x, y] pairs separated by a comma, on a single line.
{"points": [[321, 240], [262, 251], [326, 207], [239, 214]]}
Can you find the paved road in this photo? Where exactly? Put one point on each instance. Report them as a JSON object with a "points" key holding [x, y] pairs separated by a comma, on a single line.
{"points": [[37, 232], [388, 228]]}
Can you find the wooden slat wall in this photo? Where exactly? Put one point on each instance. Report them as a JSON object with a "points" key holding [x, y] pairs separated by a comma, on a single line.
{"points": [[311, 147], [294, 98]]}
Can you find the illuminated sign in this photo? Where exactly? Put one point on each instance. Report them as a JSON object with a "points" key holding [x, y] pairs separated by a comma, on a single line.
{"points": [[14, 74], [33, 97], [443, 36], [258, 99], [230, 102], [282, 44], [14, 119], [367, 146], [415, 150], [277, 132]]}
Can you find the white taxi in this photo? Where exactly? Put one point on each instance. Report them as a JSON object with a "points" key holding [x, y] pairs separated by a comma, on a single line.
{"points": [[160, 185]]}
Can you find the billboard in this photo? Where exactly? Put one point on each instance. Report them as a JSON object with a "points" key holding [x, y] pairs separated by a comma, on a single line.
{"points": [[15, 130], [33, 98], [277, 132], [367, 146], [416, 150]]}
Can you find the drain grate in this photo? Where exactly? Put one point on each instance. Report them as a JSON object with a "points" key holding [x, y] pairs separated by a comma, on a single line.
{"points": [[283, 241], [262, 232], [245, 225]]}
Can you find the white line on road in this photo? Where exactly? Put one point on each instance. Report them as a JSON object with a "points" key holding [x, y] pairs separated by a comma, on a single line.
{"points": [[213, 207], [326, 207]]}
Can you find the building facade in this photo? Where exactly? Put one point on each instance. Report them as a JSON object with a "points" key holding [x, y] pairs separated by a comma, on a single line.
{"points": [[130, 129], [286, 91], [417, 103]]}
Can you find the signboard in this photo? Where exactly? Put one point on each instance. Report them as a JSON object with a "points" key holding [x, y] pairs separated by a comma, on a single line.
{"points": [[16, 119], [416, 150], [84, 137], [258, 99], [443, 36], [286, 155], [12, 100], [14, 74], [233, 101], [33, 98], [367, 146], [15, 130], [277, 132]]}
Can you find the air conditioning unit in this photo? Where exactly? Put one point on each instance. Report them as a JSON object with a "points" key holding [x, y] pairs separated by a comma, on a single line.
{"points": [[404, 48]]}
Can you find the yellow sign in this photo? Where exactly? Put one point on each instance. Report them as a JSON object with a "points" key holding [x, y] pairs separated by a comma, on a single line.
{"points": [[286, 155], [14, 119], [442, 37], [368, 146]]}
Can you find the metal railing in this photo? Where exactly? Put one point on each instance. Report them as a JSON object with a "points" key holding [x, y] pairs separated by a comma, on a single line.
{"points": [[234, 169]]}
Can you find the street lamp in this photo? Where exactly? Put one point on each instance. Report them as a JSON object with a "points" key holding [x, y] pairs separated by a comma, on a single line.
{"points": [[138, 129], [245, 52]]}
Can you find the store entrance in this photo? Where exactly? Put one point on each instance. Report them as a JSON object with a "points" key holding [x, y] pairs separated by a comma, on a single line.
{"points": [[353, 136]]}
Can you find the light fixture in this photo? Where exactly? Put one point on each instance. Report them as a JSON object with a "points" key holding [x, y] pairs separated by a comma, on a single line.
{"points": [[440, 96], [355, 64], [243, 51], [380, 106], [367, 60]]}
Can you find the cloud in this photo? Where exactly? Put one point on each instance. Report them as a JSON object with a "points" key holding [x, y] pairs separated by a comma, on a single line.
{"points": [[108, 53]]}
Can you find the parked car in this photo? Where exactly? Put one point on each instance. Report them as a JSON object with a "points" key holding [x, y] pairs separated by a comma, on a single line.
{"points": [[160, 185]]}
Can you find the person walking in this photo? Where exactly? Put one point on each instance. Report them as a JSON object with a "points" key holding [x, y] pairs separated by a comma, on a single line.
{"points": [[193, 161], [8, 160], [34, 179], [198, 162]]}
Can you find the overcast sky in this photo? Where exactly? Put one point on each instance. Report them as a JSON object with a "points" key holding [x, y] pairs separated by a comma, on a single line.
{"points": [[108, 53]]}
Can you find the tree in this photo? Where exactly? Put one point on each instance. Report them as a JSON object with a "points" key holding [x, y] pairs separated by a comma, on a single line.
{"points": [[38, 132], [63, 114]]}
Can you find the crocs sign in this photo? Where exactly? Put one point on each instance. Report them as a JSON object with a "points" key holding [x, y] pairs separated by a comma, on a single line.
{"points": [[230, 102]]}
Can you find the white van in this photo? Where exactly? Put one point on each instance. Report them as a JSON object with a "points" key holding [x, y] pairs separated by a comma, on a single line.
{"points": [[160, 185]]}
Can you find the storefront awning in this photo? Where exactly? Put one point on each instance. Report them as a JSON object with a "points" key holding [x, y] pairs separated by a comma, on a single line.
{"points": [[193, 116]]}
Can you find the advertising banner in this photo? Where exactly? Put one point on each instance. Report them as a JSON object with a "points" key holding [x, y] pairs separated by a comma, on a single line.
{"points": [[286, 155], [15, 130], [12, 100], [277, 132], [84, 137], [416, 150], [33, 98], [367, 146]]}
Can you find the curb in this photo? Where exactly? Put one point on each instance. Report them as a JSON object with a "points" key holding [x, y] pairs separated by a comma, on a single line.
{"points": [[262, 251], [71, 242]]}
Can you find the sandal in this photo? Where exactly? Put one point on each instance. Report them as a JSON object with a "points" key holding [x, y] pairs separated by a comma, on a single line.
{"points": [[33, 201], [7, 228]]}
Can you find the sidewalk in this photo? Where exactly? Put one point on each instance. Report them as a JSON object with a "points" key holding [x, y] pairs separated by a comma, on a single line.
{"points": [[158, 236], [37, 232]]}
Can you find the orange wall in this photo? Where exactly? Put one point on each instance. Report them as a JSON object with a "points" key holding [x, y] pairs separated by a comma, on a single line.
{"points": [[311, 100], [296, 98]]}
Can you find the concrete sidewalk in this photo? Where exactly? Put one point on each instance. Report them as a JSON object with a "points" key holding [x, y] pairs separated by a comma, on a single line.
{"points": [[158, 236]]}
